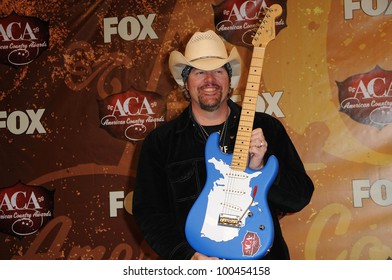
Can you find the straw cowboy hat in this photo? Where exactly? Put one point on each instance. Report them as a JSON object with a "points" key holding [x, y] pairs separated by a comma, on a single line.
{"points": [[205, 51]]}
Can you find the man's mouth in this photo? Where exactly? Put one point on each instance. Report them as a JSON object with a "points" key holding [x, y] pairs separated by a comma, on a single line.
{"points": [[210, 88]]}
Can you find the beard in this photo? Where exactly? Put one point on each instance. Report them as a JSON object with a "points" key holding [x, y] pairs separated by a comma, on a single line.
{"points": [[209, 103]]}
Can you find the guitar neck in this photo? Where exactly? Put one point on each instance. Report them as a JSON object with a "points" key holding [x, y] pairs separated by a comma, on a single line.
{"points": [[245, 127]]}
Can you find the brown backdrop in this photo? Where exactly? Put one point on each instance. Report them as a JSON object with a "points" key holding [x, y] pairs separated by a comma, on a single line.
{"points": [[82, 82]]}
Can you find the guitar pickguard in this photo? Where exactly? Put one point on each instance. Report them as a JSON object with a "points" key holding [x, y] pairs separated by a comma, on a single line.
{"points": [[230, 197]]}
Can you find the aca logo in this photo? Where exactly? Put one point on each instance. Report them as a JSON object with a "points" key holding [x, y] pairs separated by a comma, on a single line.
{"points": [[238, 20], [24, 209], [250, 244], [367, 97], [132, 115], [22, 39]]}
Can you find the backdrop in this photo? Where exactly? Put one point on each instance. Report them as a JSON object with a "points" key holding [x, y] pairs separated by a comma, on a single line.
{"points": [[83, 82]]}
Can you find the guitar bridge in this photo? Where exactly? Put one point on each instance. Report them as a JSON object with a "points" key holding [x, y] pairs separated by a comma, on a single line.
{"points": [[229, 220]]}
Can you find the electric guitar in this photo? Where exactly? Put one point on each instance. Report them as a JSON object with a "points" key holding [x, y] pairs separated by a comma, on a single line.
{"points": [[231, 219]]}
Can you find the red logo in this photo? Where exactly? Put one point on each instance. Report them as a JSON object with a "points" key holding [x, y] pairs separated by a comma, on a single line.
{"points": [[367, 97], [24, 209], [22, 39], [238, 20], [250, 244], [132, 115]]}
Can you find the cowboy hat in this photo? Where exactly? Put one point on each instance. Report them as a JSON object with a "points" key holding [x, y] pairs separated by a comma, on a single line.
{"points": [[205, 51]]}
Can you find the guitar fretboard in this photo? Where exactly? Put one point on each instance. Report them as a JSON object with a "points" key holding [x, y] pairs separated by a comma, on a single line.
{"points": [[241, 148]]}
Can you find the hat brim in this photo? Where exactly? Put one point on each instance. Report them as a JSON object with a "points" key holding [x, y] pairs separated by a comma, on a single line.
{"points": [[177, 62]]}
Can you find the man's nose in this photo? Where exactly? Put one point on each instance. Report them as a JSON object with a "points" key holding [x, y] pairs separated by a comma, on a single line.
{"points": [[209, 76]]}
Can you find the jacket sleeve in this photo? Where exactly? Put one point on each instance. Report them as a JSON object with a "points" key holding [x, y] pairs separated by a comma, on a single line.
{"points": [[152, 205], [293, 188]]}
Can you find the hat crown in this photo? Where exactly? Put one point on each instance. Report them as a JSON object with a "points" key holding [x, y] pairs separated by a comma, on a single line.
{"points": [[204, 45]]}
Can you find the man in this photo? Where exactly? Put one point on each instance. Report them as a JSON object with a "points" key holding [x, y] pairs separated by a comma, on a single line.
{"points": [[172, 172]]}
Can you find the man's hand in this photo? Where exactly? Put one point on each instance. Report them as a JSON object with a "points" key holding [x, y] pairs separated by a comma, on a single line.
{"points": [[199, 256], [257, 149]]}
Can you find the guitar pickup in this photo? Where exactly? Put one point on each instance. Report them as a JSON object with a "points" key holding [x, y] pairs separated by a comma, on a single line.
{"points": [[229, 220]]}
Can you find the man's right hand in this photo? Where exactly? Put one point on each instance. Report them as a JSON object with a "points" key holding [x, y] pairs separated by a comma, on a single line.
{"points": [[199, 256]]}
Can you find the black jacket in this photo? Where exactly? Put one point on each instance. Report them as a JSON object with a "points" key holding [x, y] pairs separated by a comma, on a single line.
{"points": [[171, 173]]}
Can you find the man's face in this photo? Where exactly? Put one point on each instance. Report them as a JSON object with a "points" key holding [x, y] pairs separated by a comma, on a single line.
{"points": [[208, 89]]}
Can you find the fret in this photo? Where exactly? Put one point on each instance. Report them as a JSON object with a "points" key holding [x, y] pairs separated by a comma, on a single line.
{"points": [[251, 88], [243, 148], [251, 99], [248, 118], [239, 160], [248, 107], [254, 80], [257, 62], [254, 70], [243, 134], [239, 165], [247, 127], [258, 52], [243, 138]]}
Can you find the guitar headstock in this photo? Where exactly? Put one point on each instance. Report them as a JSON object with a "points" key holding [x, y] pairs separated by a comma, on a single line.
{"points": [[266, 31]]}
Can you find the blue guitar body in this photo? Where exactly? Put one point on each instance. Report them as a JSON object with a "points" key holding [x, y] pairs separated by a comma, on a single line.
{"points": [[231, 218]]}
